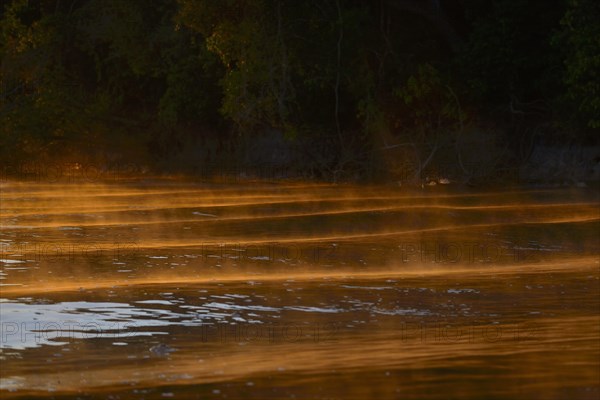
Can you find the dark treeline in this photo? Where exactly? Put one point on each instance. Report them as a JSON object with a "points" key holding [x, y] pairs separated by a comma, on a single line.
{"points": [[331, 89]]}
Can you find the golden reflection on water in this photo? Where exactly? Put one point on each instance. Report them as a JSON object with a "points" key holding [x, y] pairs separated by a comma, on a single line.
{"points": [[153, 290]]}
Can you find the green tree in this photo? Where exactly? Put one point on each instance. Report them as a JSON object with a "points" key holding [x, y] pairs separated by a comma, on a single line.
{"points": [[96, 75], [579, 41]]}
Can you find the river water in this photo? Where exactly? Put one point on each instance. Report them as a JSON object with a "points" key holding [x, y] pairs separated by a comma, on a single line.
{"points": [[175, 289]]}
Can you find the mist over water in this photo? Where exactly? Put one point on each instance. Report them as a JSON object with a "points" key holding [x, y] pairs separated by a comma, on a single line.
{"points": [[156, 289]]}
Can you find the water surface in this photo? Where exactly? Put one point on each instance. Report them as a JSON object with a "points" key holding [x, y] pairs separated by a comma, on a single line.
{"points": [[178, 289]]}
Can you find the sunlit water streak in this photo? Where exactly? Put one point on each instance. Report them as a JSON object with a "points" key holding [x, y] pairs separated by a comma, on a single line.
{"points": [[163, 289]]}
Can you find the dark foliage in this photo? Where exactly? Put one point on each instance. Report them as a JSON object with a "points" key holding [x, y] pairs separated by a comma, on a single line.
{"points": [[181, 83]]}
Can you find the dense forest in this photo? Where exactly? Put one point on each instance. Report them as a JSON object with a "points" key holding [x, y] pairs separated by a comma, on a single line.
{"points": [[392, 90]]}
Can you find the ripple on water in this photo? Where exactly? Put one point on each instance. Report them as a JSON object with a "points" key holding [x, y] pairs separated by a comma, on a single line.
{"points": [[9, 261], [33, 325], [12, 383]]}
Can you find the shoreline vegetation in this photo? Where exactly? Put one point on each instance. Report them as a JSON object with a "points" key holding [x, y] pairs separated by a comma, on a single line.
{"points": [[134, 174], [403, 93]]}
